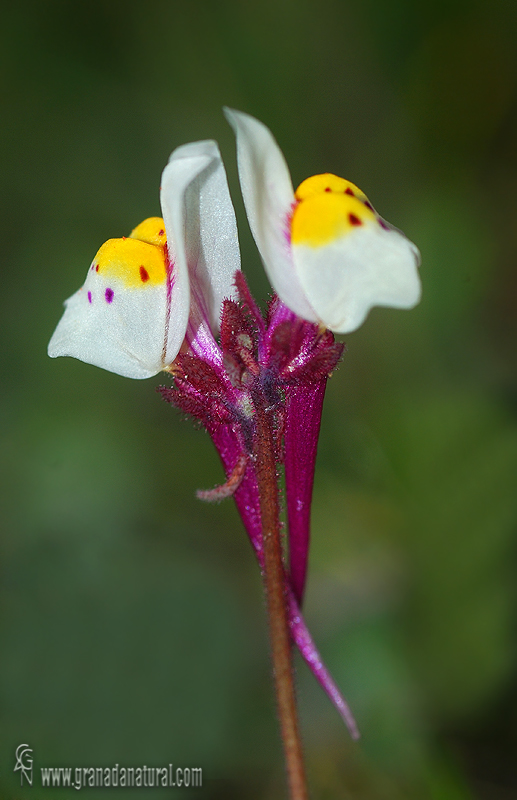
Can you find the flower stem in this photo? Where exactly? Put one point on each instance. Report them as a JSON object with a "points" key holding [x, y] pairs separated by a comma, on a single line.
{"points": [[276, 600]]}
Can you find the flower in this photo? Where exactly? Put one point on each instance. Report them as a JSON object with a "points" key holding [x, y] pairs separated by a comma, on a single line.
{"points": [[328, 254], [141, 292], [156, 300]]}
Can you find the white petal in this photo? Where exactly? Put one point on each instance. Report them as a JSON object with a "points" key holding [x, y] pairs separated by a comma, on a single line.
{"points": [[112, 326], [268, 196], [200, 220], [369, 266]]}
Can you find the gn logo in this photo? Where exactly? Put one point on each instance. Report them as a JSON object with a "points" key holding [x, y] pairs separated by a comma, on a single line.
{"points": [[24, 763]]}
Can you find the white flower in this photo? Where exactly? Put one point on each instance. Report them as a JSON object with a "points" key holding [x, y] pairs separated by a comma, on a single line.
{"points": [[328, 254], [131, 314]]}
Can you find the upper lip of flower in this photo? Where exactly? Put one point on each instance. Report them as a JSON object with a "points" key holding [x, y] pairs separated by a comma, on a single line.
{"points": [[328, 254], [198, 211]]}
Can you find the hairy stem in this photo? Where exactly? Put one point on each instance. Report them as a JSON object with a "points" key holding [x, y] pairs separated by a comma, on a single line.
{"points": [[276, 599]]}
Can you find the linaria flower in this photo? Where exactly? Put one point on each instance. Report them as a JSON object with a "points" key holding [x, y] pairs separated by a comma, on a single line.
{"points": [[330, 258], [328, 254], [157, 299], [131, 314]]}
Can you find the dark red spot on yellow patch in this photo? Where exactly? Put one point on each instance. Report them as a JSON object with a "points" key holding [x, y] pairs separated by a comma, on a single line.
{"points": [[144, 275], [353, 220], [161, 232], [348, 190], [328, 189]]}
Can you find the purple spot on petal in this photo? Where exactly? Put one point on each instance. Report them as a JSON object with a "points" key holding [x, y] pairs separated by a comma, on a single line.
{"points": [[384, 225], [108, 294], [89, 297], [288, 222]]}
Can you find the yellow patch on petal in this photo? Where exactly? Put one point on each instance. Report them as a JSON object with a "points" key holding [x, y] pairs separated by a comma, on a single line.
{"points": [[328, 207], [322, 218], [134, 262], [151, 230], [328, 183]]}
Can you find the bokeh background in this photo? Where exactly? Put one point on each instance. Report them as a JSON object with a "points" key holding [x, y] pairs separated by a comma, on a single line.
{"points": [[132, 618]]}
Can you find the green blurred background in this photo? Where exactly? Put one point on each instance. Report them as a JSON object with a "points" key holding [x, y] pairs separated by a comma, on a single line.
{"points": [[132, 619]]}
